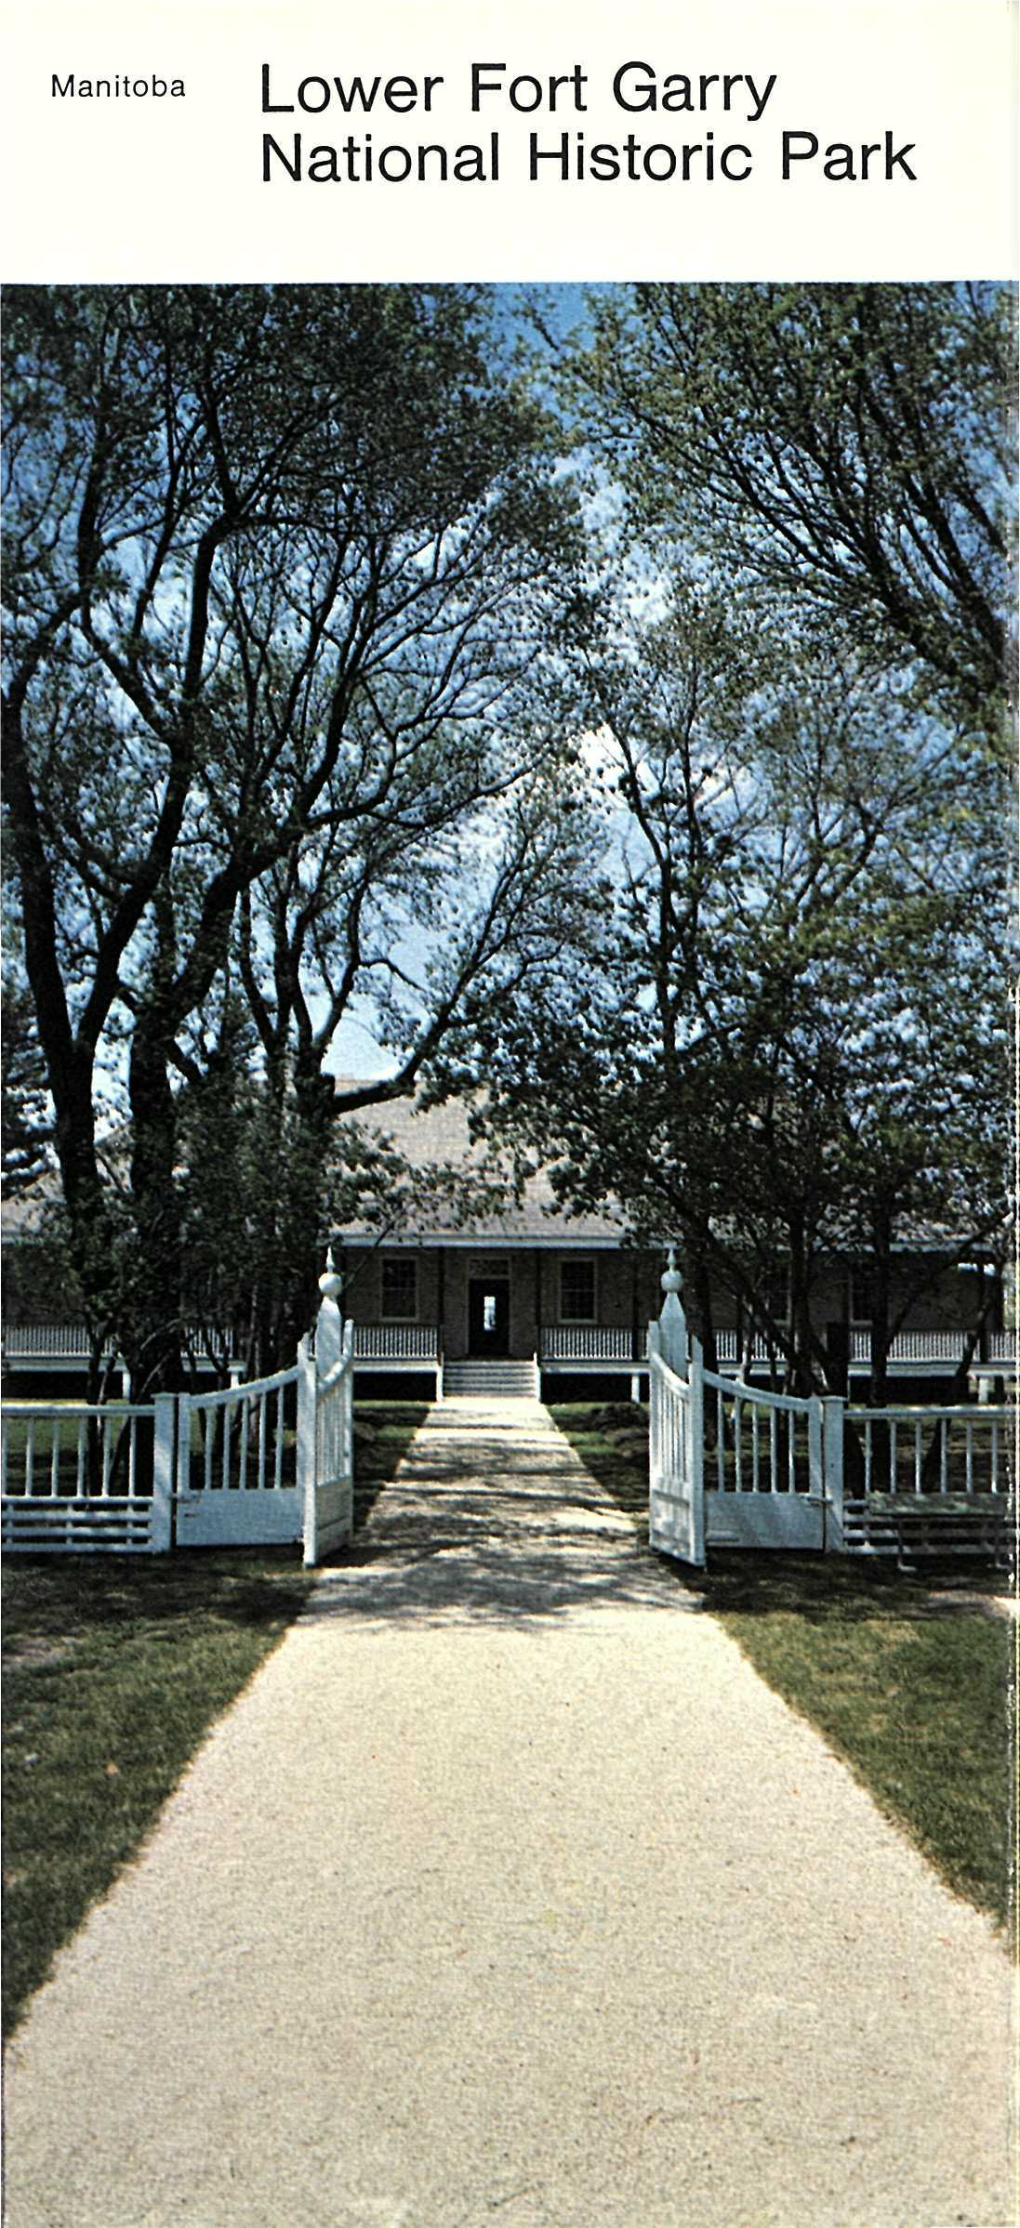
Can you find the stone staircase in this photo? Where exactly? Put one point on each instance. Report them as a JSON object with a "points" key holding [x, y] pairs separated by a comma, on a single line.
{"points": [[490, 1380]]}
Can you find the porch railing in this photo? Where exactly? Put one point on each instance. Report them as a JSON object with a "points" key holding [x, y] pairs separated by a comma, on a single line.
{"points": [[30, 1339], [396, 1342], [912, 1346], [730, 1347], [70, 1341], [590, 1342], [558, 1342]]}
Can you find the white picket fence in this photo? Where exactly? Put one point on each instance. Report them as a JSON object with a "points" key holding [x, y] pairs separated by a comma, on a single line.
{"points": [[87, 1480], [732, 1465], [922, 1481], [255, 1465]]}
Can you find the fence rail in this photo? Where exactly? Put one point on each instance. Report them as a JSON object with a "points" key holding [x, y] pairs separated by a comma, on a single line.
{"points": [[87, 1478], [933, 1450]]}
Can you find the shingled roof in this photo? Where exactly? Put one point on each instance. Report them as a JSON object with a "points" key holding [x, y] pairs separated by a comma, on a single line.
{"points": [[439, 1138]]}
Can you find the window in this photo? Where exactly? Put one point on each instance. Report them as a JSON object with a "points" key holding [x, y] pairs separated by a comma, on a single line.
{"points": [[400, 1289], [577, 1291]]}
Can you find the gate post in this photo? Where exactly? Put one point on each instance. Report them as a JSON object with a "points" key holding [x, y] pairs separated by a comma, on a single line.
{"points": [[696, 1452], [305, 1449], [832, 1464], [654, 1411], [162, 1472]]}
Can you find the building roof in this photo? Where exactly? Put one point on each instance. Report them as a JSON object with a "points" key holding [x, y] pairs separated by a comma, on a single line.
{"points": [[438, 1138]]}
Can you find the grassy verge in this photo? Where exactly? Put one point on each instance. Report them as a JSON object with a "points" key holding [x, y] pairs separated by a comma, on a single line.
{"points": [[383, 1431], [913, 1690], [114, 1668]]}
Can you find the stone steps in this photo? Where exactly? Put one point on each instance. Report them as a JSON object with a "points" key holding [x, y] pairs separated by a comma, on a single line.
{"points": [[491, 1380]]}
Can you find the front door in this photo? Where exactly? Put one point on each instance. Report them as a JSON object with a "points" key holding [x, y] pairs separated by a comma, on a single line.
{"points": [[488, 1315]]}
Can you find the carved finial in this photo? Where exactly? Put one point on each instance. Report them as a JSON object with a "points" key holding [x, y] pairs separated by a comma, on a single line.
{"points": [[329, 1330], [671, 1277], [330, 1283], [672, 1321]]}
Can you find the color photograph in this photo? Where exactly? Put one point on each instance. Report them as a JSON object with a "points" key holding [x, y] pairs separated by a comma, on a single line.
{"points": [[510, 1345]]}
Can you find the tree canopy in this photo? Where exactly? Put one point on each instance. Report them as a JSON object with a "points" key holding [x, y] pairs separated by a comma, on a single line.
{"points": [[849, 448], [284, 569], [627, 738]]}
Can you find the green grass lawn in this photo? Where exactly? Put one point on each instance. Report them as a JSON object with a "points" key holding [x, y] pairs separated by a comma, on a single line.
{"points": [[114, 1668], [914, 1691]]}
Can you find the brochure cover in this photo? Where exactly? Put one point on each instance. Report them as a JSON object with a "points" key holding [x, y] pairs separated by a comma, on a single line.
{"points": [[510, 1311]]}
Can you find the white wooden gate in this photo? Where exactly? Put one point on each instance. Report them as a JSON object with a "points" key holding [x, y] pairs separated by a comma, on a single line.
{"points": [[728, 1465], [764, 1482], [256, 1465], [237, 1482], [676, 1502]]}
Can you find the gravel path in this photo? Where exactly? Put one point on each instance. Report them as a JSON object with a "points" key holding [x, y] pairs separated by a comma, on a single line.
{"points": [[508, 1894]]}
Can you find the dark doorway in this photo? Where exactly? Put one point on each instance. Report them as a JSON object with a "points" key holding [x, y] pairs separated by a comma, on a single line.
{"points": [[488, 1315]]}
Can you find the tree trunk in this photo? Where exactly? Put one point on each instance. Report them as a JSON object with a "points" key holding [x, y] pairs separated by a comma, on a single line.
{"points": [[151, 1338], [881, 1278], [698, 1294]]}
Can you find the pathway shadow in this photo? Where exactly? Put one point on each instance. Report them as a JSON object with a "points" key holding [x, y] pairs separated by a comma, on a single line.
{"points": [[495, 1582]]}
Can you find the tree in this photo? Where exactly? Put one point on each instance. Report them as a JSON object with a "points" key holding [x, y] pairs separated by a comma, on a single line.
{"points": [[27, 1124], [785, 1040], [250, 1179], [848, 448], [274, 556]]}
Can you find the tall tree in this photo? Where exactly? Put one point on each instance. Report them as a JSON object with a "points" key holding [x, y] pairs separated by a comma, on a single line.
{"points": [[786, 1040], [266, 549]]}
